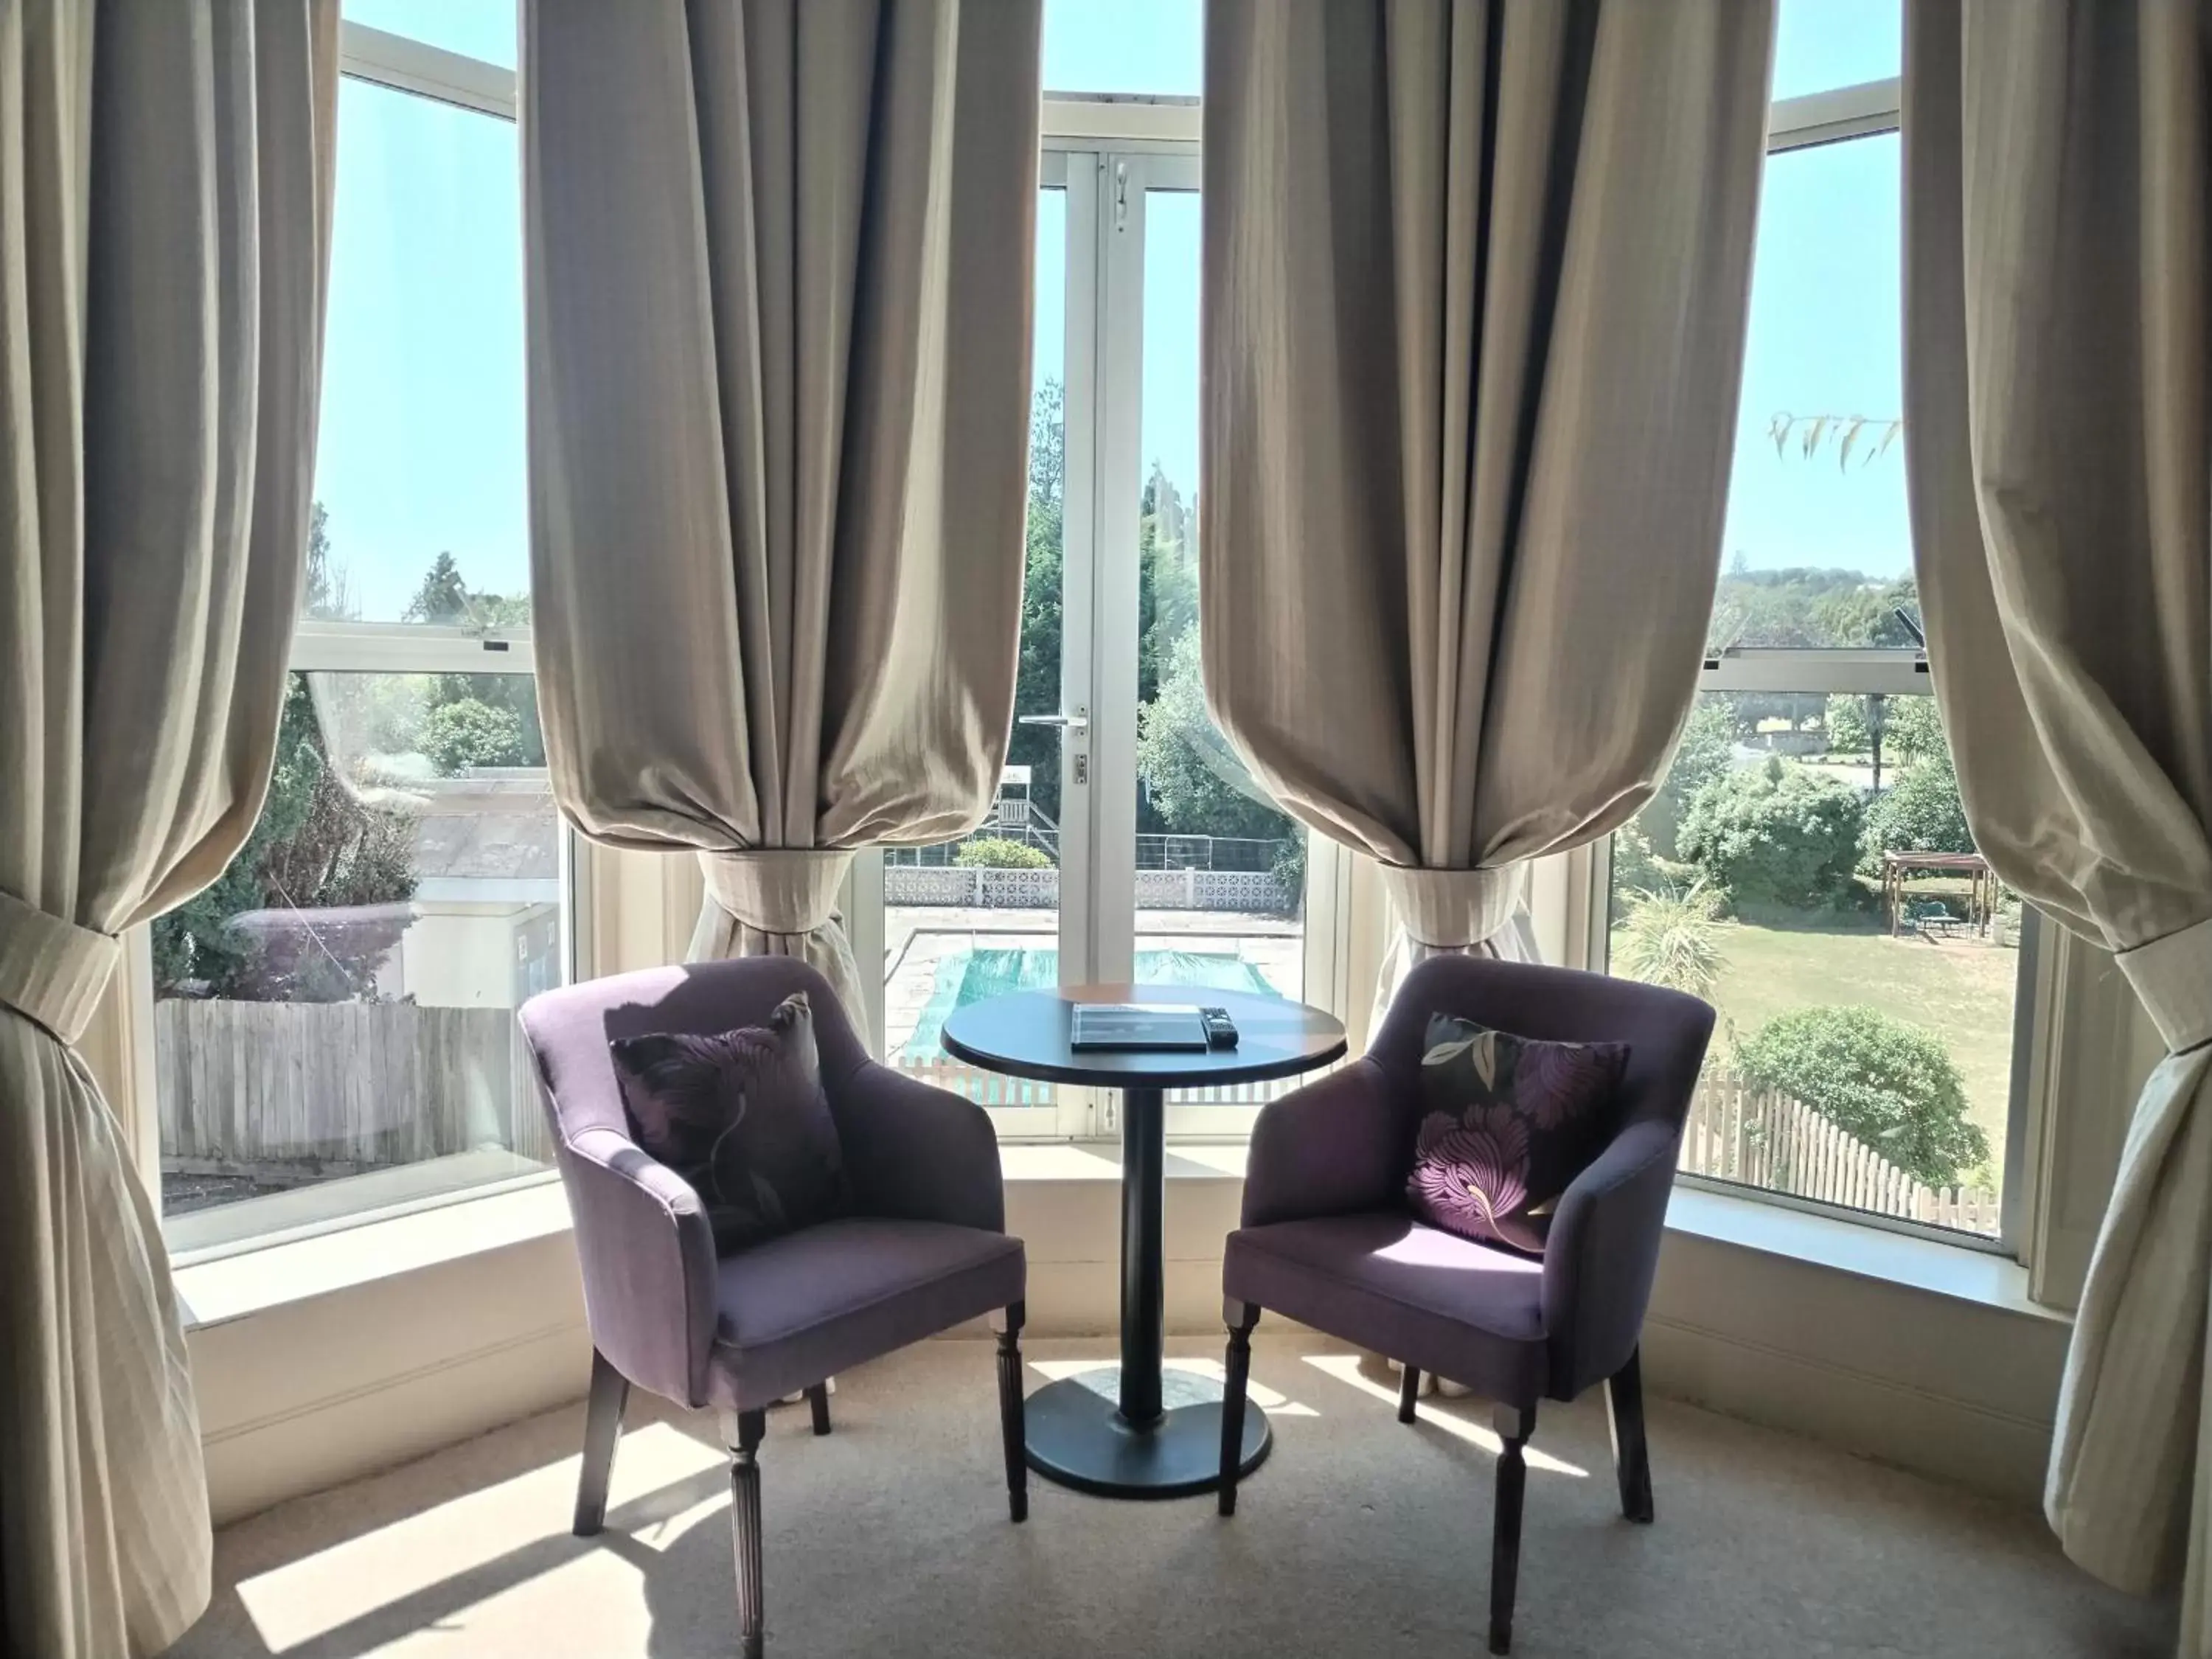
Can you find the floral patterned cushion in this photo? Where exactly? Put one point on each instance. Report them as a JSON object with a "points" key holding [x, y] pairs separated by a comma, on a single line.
{"points": [[741, 1116], [1507, 1122]]}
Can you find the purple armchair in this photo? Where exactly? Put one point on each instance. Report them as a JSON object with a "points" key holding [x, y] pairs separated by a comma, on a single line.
{"points": [[925, 1248], [1327, 1240]]}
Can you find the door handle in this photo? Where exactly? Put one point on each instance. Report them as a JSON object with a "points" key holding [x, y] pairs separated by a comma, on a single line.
{"points": [[1079, 722]]}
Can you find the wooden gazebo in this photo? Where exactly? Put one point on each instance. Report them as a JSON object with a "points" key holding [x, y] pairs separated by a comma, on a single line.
{"points": [[1981, 884]]}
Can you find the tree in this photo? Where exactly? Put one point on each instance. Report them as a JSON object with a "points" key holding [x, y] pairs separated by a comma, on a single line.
{"points": [[1888, 1084], [443, 597], [1036, 681], [315, 848], [1705, 752], [1845, 722], [1920, 813], [1776, 835], [1914, 731], [1195, 780], [324, 594], [1167, 580]]}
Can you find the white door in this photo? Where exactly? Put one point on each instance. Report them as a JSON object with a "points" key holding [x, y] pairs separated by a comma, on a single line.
{"points": [[1127, 842]]}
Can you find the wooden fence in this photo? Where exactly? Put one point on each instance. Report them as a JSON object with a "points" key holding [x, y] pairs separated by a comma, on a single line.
{"points": [[321, 1088], [1739, 1132]]}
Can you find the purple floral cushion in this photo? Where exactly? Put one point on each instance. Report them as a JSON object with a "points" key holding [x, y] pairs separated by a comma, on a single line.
{"points": [[741, 1116], [1507, 1122]]}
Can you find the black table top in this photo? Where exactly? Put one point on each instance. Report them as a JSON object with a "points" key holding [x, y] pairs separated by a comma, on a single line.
{"points": [[1025, 1035]]}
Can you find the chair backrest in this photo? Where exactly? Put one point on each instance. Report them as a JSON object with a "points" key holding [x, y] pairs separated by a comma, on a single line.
{"points": [[1665, 1030], [568, 1029]]}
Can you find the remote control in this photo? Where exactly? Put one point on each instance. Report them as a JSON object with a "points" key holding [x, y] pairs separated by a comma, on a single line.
{"points": [[1220, 1030]]}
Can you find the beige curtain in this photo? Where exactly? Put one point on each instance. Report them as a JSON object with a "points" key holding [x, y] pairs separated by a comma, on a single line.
{"points": [[164, 192], [780, 268], [2058, 172], [1476, 276]]}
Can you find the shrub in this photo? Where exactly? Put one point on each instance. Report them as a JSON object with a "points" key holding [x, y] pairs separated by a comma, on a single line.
{"points": [[1637, 869], [997, 853], [1885, 1082], [1672, 937], [1288, 867], [459, 735], [1706, 751], [1920, 813], [1776, 834]]}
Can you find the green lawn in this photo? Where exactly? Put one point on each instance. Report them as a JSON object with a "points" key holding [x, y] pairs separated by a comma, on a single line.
{"points": [[1961, 989]]}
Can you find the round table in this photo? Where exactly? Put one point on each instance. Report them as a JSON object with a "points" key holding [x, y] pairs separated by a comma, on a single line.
{"points": [[1139, 1445]]}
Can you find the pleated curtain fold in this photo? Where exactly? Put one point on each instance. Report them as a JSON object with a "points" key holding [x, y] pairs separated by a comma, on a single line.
{"points": [[2058, 172], [780, 268], [1476, 280], [165, 187]]}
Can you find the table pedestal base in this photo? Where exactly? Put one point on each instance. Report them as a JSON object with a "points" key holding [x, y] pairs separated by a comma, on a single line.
{"points": [[1078, 1438]]}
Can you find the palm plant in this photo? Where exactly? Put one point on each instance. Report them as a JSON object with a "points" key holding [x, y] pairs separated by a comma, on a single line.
{"points": [[1671, 937]]}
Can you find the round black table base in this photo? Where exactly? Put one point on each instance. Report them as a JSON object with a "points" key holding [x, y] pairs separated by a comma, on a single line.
{"points": [[1077, 1436]]}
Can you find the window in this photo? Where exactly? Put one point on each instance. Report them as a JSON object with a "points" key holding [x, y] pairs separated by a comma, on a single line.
{"points": [[1806, 864], [334, 1019]]}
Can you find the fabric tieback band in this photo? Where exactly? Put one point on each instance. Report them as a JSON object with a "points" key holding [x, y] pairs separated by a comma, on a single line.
{"points": [[791, 891], [52, 971], [2174, 977], [1453, 909]]}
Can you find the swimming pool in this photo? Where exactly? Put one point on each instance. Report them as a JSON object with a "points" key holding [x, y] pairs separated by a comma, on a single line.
{"points": [[967, 974]]}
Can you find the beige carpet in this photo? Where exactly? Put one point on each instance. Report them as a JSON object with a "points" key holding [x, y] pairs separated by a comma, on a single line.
{"points": [[1358, 1537]]}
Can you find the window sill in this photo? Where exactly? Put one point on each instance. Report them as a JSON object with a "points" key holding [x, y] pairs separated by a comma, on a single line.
{"points": [[285, 1271], [238, 1286], [1960, 1273]]}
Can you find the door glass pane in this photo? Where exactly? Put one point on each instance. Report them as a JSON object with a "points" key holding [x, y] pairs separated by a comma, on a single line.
{"points": [[1818, 544], [975, 918], [1807, 868], [334, 1017], [1220, 870], [420, 479]]}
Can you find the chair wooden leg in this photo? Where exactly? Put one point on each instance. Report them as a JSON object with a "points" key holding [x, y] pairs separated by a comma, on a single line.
{"points": [[741, 1432], [818, 1398], [1240, 1317], [602, 1429], [1007, 1322], [1514, 1426], [1631, 1453], [1409, 1390]]}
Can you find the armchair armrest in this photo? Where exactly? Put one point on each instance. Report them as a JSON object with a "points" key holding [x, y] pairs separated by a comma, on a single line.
{"points": [[1603, 1252], [648, 1262], [1328, 1149], [917, 1154]]}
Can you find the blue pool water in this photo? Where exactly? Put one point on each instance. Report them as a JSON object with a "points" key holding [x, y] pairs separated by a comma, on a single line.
{"points": [[969, 974]]}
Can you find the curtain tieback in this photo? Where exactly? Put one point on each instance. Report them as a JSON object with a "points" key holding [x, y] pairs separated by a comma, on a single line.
{"points": [[50, 970], [2174, 977], [1453, 909], [777, 890]]}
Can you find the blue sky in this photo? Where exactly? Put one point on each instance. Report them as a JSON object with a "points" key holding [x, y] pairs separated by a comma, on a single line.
{"points": [[421, 443]]}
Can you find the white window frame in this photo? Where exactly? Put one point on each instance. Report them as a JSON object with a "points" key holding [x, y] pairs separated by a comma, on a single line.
{"points": [[1837, 116], [398, 63]]}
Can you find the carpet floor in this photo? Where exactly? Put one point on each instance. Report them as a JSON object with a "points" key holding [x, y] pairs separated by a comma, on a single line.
{"points": [[1359, 1536]]}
